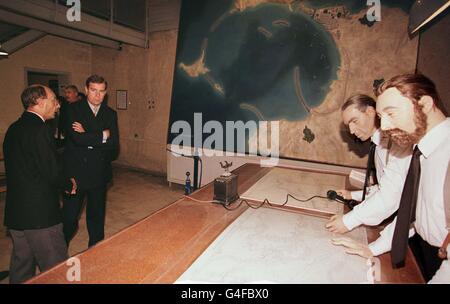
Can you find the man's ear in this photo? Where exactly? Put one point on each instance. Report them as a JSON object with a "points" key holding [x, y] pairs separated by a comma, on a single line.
{"points": [[427, 103], [371, 111], [86, 90], [40, 102]]}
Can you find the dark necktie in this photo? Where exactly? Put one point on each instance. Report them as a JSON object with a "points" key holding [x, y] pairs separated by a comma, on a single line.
{"points": [[369, 169], [406, 212]]}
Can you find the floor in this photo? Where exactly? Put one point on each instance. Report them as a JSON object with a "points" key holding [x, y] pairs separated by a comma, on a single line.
{"points": [[133, 196]]}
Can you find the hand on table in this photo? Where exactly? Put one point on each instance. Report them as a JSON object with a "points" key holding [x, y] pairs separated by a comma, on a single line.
{"points": [[353, 247], [335, 224]]}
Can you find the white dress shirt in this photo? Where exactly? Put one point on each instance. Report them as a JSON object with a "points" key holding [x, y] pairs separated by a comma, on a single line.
{"points": [[95, 110], [430, 221], [383, 199], [380, 160]]}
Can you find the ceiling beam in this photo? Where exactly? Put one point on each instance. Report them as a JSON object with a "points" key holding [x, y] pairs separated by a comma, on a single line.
{"points": [[57, 14], [56, 30], [22, 40]]}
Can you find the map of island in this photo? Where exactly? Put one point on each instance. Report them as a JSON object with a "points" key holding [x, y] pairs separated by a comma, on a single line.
{"points": [[295, 62]]}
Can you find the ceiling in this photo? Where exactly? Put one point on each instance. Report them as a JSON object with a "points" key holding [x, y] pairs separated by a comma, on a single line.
{"points": [[8, 31], [24, 21]]}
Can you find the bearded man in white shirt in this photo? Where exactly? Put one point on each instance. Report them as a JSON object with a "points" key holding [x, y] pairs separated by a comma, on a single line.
{"points": [[411, 113]]}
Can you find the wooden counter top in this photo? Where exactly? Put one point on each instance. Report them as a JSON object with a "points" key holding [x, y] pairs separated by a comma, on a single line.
{"points": [[159, 248]]}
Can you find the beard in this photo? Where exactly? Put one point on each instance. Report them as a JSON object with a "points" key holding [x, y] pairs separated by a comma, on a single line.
{"points": [[403, 138]]}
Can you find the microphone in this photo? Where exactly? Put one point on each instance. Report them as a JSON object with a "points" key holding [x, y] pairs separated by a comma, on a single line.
{"points": [[331, 194]]}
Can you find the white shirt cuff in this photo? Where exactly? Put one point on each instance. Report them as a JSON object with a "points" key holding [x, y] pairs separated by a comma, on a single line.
{"points": [[104, 137], [384, 242], [357, 195], [379, 247], [350, 221]]}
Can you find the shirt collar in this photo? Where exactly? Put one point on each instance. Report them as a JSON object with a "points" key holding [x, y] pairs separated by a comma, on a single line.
{"points": [[434, 138], [94, 108], [377, 137], [37, 115]]}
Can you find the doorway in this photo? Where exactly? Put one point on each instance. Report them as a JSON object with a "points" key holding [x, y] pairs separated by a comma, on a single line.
{"points": [[54, 80]]}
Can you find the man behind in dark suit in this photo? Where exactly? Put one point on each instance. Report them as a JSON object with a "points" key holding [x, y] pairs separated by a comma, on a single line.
{"points": [[32, 211], [92, 144], [71, 95]]}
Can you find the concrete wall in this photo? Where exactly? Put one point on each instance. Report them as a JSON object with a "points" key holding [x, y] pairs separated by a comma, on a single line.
{"points": [[147, 75], [434, 55], [47, 54]]}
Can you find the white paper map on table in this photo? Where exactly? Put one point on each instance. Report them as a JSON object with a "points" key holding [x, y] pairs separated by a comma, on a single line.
{"points": [[268, 245], [279, 182]]}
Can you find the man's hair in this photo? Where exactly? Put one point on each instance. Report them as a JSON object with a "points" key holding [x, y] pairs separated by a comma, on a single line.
{"points": [[361, 102], [31, 94], [413, 87], [72, 87], [96, 79]]}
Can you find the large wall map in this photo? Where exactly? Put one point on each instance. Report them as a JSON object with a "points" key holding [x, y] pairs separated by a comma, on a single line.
{"points": [[291, 61]]}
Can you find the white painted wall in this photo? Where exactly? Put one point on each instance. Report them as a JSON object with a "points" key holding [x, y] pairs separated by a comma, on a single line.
{"points": [[178, 165]]}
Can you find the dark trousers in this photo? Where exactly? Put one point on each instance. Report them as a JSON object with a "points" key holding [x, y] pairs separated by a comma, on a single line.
{"points": [[426, 256], [95, 213], [42, 247]]}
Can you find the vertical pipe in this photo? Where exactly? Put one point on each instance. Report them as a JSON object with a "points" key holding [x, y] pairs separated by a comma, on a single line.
{"points": [[147, 22], [55, 10], [196, 160], [111, 13]]}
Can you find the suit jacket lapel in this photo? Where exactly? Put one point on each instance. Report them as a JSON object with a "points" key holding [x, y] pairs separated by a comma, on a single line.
{"points": [[87, 110], [94, 123], [100, 110]]}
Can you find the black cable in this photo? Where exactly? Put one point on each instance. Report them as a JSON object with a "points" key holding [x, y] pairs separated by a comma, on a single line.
{"points": [[266, 201], [297, 199], [231, 209], [181, 154], [201, 172]]}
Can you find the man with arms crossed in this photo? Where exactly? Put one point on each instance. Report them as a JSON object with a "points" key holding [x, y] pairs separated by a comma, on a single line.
{"points": [[92, 144]]}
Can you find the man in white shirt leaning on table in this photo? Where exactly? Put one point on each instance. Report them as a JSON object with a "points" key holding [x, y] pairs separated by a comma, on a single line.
{"points": [[391, 162], [411, 113]]}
